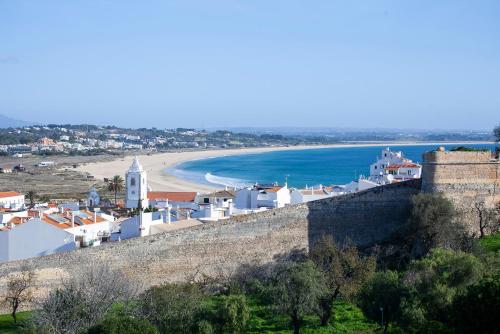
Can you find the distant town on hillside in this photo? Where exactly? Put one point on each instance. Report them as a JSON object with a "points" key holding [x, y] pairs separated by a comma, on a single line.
{"points": [[85, 139]]}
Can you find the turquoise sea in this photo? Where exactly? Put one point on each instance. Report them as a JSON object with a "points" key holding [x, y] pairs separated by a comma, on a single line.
{"points": [[302, 167]]}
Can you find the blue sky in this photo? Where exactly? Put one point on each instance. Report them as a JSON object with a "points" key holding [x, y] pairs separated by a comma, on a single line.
{"points": [[206, 63]]}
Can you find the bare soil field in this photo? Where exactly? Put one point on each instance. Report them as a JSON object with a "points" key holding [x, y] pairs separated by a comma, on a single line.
{"points": [[59, 182]]}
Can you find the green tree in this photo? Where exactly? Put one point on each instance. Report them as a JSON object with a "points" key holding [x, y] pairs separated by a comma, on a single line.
{"points": [[344, 269], [435, 280], [172, 308], [123, 324], [233, 314], [380, 298], [432, 224], [476, 310], [115, 185], [297, 290], [31, 195]]}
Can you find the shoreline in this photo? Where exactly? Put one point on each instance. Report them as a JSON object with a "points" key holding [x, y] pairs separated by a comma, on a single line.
{"points": [[159, 180]]}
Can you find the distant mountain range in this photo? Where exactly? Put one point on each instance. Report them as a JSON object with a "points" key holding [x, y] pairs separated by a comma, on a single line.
{"points": [[7, 122]]}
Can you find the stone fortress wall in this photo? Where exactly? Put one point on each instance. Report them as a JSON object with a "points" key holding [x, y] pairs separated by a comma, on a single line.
{"points": [[465, 178], [367, 218]]}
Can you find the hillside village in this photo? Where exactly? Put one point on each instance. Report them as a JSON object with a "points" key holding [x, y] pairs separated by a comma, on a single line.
{"points": [[93, 221]]}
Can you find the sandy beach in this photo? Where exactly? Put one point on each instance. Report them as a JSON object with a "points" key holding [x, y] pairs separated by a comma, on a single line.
{"points": [[156, 164]]}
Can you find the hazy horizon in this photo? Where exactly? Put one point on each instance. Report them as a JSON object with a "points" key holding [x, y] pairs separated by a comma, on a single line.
{"points": [[236, 64]]}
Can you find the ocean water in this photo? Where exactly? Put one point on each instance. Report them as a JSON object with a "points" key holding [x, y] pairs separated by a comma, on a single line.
{"points": [[301, 168]]}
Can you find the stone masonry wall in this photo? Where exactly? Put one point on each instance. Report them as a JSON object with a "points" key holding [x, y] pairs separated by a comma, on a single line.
{"points": [[465, 178], [367, 217]]}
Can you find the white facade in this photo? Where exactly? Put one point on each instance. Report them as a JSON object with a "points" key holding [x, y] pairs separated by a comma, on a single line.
{"points": [[33, 238], [140, 225], [11, 200], [137, 186], [93, 198], [262, 197], [308, 195], [392, 166]]}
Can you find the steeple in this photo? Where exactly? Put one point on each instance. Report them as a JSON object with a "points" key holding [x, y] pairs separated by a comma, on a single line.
{"points": [[137, 186], [136, 166]]}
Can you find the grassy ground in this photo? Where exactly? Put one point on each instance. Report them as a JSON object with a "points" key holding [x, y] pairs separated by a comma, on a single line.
{"points": [[491, 242], [7, 325], [347, 319]]}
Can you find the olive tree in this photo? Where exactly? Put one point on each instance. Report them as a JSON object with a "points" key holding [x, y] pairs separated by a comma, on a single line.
{"points": [[345, 271], [297, 290], [432, 224], [172, 308], [381, 297]]}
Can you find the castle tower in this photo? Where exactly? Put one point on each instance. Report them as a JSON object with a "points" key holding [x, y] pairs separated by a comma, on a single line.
{"points": [[137, 186]]}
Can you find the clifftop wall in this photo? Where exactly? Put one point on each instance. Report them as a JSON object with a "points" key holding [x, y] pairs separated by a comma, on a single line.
{"points": [[465, 178], [367, 217]]}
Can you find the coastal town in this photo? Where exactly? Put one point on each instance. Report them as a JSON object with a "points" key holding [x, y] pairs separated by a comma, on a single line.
{"points": [[88, 140], [31, 228], [249, 167]]}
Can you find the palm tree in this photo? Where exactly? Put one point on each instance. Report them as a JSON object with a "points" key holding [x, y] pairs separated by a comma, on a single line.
{"points": [[115, 185], [31, 197]]}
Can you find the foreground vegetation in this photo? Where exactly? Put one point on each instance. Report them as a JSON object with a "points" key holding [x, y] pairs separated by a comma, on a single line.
{"points": [[444, 283]]}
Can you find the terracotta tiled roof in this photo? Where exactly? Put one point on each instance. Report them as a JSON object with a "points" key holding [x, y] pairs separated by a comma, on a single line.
{"points": [[4, 194], [273, 189], [17, 220], [398, 166], [172, 196], [66, 220]]}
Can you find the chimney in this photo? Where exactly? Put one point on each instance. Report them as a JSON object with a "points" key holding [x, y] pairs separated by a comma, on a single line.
{"points": [[95, 216], [72, 219]]}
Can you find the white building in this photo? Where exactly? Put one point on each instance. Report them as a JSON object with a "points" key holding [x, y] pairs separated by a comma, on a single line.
{"points": [[11, 200], [93, 199], [140, 225], [33, 238], [174, 199], [263, 196], [393, 166], [51, 231], [137, 186], [309, 194]]}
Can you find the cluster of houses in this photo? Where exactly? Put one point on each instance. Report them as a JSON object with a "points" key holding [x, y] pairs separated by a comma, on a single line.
{"points": [[66, 144], [46, 228]]}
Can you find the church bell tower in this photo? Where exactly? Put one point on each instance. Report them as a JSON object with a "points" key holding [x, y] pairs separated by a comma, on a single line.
{"points": [[137, 186]]}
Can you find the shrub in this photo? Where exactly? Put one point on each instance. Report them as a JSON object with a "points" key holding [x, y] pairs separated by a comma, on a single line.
{"points": [[172, 308]]}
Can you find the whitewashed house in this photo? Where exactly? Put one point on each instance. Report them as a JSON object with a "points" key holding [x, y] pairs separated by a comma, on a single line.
{"points": [[141, 224], [392, 166], [33, 238], [174, 199], [309, 194], [12, 200], [263, 196]]}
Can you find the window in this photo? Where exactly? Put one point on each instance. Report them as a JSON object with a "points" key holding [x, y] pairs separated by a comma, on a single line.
{"points": [[409, 171], [206, 200], [132, 181]]}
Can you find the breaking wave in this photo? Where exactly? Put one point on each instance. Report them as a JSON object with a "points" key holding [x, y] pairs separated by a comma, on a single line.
{"points": [[207, 178], [226, 181]]}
